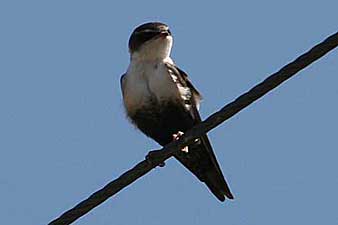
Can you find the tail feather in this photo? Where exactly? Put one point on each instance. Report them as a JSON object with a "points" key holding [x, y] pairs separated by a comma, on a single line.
{"points": [[217, 185], [202, 162]]}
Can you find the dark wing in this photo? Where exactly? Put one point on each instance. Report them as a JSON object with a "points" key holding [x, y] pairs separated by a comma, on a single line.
{"points": [[201, 159]]}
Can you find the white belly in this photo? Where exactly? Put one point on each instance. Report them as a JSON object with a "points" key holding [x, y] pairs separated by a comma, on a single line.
{"points": [[144, 82]]}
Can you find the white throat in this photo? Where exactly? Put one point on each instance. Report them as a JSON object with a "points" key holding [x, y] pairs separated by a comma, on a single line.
{"points": [[154, 50]]}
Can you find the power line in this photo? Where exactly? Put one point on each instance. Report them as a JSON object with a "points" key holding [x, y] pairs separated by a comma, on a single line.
{"points": [[231, 109]]}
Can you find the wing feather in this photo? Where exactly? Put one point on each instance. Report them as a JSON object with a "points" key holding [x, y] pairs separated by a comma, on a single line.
{"points": [[212, 176]]}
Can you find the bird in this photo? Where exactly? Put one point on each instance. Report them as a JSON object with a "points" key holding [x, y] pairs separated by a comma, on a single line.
{"points": [[160, 100]]}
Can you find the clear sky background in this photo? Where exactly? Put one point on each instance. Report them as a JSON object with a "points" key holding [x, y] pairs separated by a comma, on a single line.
{"points": [[64, 135]]}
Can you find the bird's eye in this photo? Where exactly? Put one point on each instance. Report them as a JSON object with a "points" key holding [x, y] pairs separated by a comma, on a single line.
{"points": [[169, 32], [147, 31]]}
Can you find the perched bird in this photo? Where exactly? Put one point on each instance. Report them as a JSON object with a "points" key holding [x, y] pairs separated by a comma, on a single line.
{"points": [[161, 101]]}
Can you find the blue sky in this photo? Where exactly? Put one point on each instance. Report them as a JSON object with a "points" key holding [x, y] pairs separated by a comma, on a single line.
{"points": [[64, 135]]}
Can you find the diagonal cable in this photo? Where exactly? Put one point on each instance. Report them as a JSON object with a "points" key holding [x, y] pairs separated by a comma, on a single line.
{"points": [[211, 122]]}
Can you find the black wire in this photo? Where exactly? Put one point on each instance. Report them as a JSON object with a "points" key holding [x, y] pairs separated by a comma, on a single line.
{"points": [[211, 122]]}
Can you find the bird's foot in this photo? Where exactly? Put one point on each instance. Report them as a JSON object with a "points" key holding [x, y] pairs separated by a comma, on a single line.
{"points": [[176, 137], [153, 156]]}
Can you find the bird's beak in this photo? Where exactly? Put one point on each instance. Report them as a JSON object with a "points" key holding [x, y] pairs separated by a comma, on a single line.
{"points": [[164, 34]]}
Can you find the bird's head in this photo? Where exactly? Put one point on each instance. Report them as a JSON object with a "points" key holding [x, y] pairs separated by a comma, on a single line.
{"points": [[150, 41]]}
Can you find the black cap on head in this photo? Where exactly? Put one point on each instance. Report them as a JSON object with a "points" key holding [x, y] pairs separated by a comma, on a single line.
{"points": [[145, 32]]}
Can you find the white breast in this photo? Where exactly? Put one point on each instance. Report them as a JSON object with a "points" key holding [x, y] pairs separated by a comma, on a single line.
{"points": [[147, 80]]}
